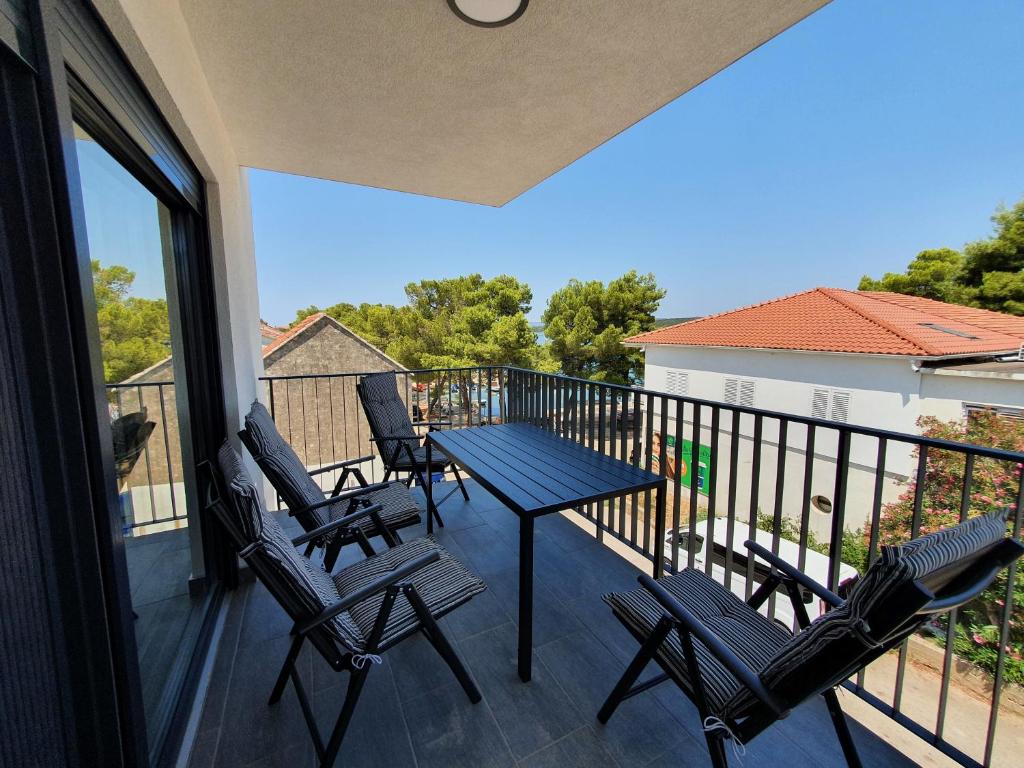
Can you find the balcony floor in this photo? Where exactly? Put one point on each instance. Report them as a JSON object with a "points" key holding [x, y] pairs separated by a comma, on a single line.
{"points": [[413, 712]]}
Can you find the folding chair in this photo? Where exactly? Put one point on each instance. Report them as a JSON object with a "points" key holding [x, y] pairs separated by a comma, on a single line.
{"points": [[400, 447], [744, 672], [313, 508], [349, 618]]}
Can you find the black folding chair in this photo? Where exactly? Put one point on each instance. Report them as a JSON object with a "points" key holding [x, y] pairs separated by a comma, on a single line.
{"points": [[744, 672], [351, 617], [400, 447], [313, 508]]}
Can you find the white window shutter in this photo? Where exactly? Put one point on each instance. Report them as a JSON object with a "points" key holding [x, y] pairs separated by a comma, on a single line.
{"points": [[840, 406], [819, 404], [731, 395], [747, 393]]}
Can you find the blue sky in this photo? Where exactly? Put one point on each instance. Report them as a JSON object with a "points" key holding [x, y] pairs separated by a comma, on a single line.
{"points": [[842, 147]]}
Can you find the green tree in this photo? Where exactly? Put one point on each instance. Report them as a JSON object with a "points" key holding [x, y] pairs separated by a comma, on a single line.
{"points": [[988, 274], [135, 333], [586, 322], [448, 323]]}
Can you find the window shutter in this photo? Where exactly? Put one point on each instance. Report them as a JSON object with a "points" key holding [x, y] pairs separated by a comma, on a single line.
{"points": [[819, 404], [747, 393], [731, 391], [677, 382], [840, 406]]}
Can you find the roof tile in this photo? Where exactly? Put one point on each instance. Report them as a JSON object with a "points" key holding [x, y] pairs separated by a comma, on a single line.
{"points": [[837, 320]]}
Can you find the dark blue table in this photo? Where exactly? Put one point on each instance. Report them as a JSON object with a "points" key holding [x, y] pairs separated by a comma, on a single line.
{"points": [[534, 472]]}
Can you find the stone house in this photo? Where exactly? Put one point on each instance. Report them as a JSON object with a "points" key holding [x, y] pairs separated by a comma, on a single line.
{"points": [[320, 417]]}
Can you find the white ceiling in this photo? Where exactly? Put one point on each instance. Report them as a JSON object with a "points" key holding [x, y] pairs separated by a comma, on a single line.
{"points": [[403, 95]]}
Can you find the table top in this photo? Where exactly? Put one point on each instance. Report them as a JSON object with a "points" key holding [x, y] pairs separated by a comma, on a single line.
{"points": [[535, 472]]}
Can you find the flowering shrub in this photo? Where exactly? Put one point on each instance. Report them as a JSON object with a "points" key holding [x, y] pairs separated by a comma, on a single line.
{"points": [[994, 485]]}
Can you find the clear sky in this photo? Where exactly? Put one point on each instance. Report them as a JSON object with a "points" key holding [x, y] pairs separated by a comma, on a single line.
{"points": [[866, 133]]}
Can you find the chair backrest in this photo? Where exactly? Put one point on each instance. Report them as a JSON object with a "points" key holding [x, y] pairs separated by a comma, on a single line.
{"points": [[130, 434], [301, 586], [896, 596], [385, 411], [283, 467]]}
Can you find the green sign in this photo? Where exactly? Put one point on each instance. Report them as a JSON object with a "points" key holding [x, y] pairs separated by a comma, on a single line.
{"points": [[684, 472]]}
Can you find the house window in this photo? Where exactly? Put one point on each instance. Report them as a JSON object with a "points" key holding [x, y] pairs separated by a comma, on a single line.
{"points": [[677, 382], [739, 392], [832, 404], [972, 409]]}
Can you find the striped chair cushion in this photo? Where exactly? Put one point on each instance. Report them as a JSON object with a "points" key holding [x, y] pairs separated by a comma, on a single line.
{"points": [[753, 637], [283, 467], [400, 508], [419, 459], [385, 412], [310, 586], [813, 658], [444, 585], [286, 472]]}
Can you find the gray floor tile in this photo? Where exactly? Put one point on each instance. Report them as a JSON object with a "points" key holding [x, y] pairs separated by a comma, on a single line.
{"points": [[447, 731], [641, 729], [579, 749], [531, 715]]}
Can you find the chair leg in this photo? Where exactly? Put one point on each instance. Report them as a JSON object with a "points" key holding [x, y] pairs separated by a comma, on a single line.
{"points": [[331, 552], [289, 663], [441, 644], [636, 666], [355, 688], [842, 728], [458, 479], [716, 749]]}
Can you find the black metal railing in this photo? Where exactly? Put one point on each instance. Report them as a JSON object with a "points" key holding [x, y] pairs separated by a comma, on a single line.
{"points": [[821, 492], [148, 458]]}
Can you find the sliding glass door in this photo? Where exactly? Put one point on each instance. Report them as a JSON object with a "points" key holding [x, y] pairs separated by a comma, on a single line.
{"points": [[131, 247]]}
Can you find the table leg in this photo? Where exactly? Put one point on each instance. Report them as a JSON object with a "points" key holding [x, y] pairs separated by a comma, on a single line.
{"points": [[659, 531], [428, 491], [525, 597]]}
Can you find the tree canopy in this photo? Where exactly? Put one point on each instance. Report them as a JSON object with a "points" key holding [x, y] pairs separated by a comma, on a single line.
{"points": [[586, 322], [448, 323], [135, 333], [988, 273]]}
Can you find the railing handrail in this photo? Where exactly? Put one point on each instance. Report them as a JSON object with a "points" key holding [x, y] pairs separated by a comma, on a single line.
{"points": [[402, 371], [999, 454], [137, 384]]}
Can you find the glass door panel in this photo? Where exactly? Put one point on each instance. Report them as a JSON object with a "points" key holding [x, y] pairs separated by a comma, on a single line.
{"points": [[130, 244]]}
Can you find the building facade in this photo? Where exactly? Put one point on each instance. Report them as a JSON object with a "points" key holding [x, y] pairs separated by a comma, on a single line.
{"points": [[875, 360]]}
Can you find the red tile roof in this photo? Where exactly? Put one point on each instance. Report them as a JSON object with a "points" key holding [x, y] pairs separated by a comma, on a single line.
{"points": [[837, 320], [292, 332], [268, 331]]}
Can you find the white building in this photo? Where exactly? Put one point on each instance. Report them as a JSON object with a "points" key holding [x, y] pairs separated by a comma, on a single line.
{"points": [[877, 360]]}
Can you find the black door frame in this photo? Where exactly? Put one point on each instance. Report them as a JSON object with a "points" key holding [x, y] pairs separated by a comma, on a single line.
{"points": [[50, 322]]}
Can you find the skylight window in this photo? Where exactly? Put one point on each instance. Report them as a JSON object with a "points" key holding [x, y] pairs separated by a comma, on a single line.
{"points": [[950, 331]]}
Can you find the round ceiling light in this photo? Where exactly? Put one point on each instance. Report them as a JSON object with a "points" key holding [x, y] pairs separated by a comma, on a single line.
{"points": [[488, 13]]}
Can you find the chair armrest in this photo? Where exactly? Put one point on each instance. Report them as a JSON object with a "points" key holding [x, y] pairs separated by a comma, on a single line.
{"points": [[712, 642], [345, 495], [378, 585], [341, 522], [799, 577], [339, 465], [432, 424]]}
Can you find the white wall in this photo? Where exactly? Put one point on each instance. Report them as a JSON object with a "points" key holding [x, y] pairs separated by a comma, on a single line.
{"points": [[944, 392], [883, 394]]}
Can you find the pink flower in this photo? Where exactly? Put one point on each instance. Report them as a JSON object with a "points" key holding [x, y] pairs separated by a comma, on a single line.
{"points": [[978, 639]]}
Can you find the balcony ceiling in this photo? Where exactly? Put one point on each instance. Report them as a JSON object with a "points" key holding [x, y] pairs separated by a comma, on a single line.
{"points": [[404, 95]]}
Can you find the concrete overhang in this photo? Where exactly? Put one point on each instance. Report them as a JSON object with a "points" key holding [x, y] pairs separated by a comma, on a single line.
{"points": [[403, 95]]}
